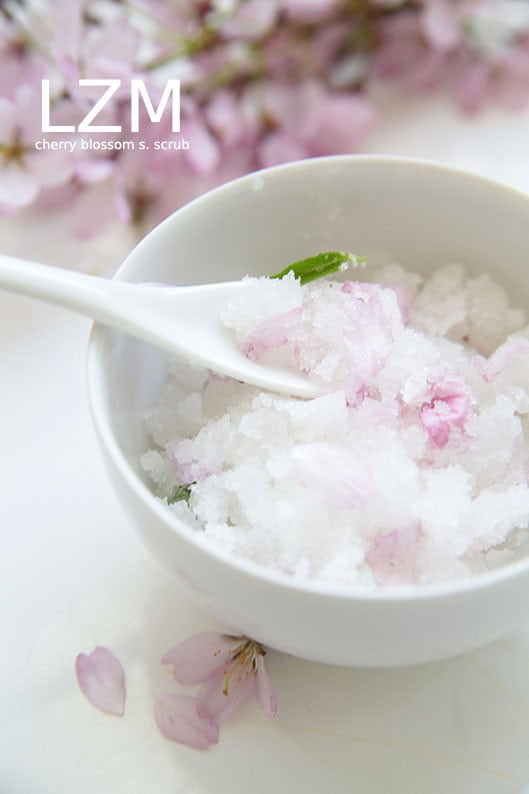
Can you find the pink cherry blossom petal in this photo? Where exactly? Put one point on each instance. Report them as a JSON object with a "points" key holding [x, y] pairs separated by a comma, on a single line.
{"points": [[405, 55], [266, 694], [225, 689], [19, 64], [337, 123], [93, 171], [17, 187], [224, 116], [177, 719], [356, 387], [116, 39], [439, 417], [490, 368], [51, 169], [449, 407], [393, 556], [375, 322], [271, 333], [68, 25], [443, 384], [102, 680], [197, 658], [309, 11], [204, 154], [280, 147], [440, 20], [334, 474], [399, 45]]}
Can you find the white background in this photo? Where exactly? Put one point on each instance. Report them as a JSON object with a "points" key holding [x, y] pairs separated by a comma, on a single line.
{"points": [[73, 575]]}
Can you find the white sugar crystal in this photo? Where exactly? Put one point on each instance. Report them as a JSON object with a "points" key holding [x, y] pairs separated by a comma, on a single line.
{"points": [[185, 514], [415, 460], [442, 304], [439, 515], [494, 512], [396, 277], [179, 408], [160, 471], [261, 299], [495, 435], [490, 318]]}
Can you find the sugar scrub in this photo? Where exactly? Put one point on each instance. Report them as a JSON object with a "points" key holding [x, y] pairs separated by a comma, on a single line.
{"points": [[410, 469]]}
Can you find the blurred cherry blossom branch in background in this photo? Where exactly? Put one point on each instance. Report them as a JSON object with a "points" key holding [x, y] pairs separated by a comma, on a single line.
{"points": [[262, 82]]}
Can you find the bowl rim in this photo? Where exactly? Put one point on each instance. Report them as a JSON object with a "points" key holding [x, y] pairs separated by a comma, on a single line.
{"points": [[95, 386]]}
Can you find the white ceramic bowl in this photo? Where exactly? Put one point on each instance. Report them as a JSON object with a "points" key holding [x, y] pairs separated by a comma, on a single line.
{"points": [[421, 214]]}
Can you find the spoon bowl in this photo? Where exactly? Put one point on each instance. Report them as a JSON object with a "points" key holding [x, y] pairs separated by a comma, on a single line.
{"points": [[389, 209], [186, 321]]}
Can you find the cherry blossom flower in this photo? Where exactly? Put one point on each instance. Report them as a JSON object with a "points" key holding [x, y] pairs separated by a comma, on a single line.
{"points": [[224, 115], [20, 62], [262, 82], [406, 56], [141, 186], [229, 669], [308, 120], [491, 63], [107, 48], [24, 171], [502, 78]]}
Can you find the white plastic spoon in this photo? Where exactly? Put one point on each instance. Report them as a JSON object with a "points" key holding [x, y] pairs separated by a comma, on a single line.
{"points": [[184, 320]]}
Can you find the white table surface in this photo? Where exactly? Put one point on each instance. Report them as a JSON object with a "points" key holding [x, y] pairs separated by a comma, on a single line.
{"points": [[73, 575]]}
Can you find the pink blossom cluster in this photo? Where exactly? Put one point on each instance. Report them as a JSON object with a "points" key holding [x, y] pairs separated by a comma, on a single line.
{"points": [[263, 82], [230, 669]]}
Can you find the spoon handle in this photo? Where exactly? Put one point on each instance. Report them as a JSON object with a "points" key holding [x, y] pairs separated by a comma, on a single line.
{"points": [[93, 296], [185, 320]]}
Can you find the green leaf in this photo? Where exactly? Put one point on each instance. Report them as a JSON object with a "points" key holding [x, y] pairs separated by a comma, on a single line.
{"points": [[181, 493], [321, 265]]}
